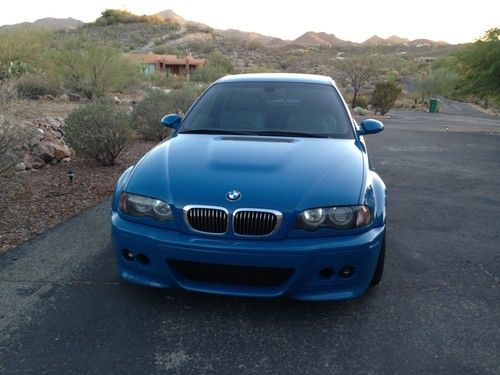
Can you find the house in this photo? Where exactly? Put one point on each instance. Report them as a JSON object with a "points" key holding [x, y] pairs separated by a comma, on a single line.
{"points": [[169, 64]]}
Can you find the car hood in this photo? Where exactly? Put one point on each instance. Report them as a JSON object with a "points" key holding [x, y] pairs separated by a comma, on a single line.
{"points": [[287, 174]]}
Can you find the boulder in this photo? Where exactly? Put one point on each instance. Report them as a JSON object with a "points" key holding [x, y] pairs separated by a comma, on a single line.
{"points": [[33, 162], [74, 97], [116, 100], [61, 152], [44, 151], [20, 166]]}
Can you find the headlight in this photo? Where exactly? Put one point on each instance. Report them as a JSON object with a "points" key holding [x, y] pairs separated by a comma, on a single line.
{"points": [[138, 205], [344, 217]]}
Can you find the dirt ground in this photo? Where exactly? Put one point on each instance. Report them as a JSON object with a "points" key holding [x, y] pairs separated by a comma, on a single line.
{"points": [[33, 201]]}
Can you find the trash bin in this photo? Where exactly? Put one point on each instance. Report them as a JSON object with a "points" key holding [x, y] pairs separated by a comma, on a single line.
{"points": [[433, 105]]}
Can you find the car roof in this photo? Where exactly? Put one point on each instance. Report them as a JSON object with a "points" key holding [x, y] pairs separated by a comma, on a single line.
{"points": [[278, 77]]}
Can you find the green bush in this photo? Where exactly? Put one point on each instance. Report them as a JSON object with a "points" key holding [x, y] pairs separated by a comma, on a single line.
{"points": [[361, 101], [218, 66], [33, 86], [100, 130], [384, 96], [116, 16], [157, 103]]}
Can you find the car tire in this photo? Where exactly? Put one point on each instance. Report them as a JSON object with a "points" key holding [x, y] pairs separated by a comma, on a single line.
{"points": [[379, 270]]}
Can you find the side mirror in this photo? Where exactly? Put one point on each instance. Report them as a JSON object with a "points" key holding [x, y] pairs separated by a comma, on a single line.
{"points": [[171, 121], [370, 126]]}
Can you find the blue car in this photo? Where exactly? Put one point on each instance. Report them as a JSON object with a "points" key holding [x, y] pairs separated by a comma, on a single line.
{"points": [[265, 189]]}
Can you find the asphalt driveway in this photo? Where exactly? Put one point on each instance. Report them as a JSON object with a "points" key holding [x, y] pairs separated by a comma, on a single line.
{"points": [[63, 310]]}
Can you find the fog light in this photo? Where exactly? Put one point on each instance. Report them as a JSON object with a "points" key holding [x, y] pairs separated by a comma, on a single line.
{"points": [[128, 255], [347, 271]]}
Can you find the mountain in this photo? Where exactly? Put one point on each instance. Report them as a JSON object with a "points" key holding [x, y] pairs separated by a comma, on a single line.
{"points": [[312, 38], [172, 17], [250, 36], [394, 39], [426, 42], [375, 41], [47, 24]]}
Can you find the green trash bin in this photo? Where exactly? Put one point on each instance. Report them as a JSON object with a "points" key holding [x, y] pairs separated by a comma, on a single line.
{"points": [[433, 105]]}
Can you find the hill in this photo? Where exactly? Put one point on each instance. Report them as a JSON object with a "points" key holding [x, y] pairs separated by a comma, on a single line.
{"points": [[49, 23], [312, 38], [171, 17], [394, 39], [376, 41]]}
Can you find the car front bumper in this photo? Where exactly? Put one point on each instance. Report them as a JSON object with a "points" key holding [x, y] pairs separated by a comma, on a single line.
{"points": [[156, 251]]}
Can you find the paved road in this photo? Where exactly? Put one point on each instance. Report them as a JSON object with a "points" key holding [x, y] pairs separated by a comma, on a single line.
{"points": [[437, 309]]}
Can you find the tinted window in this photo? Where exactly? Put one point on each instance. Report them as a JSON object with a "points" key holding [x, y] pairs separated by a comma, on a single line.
{"points": [[260, 107]]}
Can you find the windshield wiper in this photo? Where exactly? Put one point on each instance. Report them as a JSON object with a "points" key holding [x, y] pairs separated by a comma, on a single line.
{"points": [[214, 131], [289, 134]]}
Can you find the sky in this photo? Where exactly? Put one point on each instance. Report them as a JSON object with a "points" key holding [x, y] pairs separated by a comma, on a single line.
{"points": [[452, 21]]}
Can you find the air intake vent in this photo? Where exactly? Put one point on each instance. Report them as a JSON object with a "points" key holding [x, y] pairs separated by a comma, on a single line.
{"points": [[232, 275]]}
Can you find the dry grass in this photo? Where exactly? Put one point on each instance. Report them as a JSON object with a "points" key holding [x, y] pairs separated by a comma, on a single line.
{"points": [[30, 109]]}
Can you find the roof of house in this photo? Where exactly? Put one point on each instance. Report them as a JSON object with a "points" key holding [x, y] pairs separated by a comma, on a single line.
{"points": [[152, 58]]}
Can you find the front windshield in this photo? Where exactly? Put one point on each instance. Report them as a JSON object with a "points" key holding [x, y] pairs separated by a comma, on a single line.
{"points": [[270, 108]]}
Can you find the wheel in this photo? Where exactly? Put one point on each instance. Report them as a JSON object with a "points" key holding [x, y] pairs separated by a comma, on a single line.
{"points": [[379, 270]]}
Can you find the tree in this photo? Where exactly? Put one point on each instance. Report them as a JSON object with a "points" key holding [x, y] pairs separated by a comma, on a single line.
{"points": [[93, 67], [478, 65], [384, 96], [440, 81], [359, 70]]}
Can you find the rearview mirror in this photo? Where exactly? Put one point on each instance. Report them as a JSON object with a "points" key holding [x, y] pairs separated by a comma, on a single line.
{"points": [[370, 126], [171, 121]]}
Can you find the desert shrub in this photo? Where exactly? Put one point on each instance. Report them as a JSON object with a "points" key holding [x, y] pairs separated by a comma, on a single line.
{"points": [[217, 67], [384, 96], [157, 103], [33, 86], [116, 16], [99, 130], [93, 67], [361, 101]]}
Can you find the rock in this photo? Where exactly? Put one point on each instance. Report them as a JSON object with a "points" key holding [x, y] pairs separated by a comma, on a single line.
{"points": [[66, 160], [61, 151], [64, 98], [360, 111], [74, 97], [32, 162], [116, 100], [44, 151], [33, 142], [38, 133], [20, 166], [48, 97]]}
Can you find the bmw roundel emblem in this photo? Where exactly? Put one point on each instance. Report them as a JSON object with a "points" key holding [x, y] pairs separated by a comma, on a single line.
{"points": [[233, 195]]}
